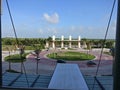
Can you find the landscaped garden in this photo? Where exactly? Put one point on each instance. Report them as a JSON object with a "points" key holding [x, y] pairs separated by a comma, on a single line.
{"points": [[71, 56]]}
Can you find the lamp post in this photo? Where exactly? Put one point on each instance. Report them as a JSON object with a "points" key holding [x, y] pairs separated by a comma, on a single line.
{"points": [[37, 65], [21, 53], [9, 59], [37, 59]]}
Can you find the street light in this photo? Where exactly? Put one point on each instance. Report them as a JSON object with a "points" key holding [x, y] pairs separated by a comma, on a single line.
{"points": [[37, 52]]}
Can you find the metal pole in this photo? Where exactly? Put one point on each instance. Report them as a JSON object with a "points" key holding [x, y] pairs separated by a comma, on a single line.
{"points": [[37, 63], [9, 61], [0, 48], [21, 63], [116, 82], [37, 66]]}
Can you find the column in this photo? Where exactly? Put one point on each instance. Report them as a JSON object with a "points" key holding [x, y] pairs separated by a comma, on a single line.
{"points": [[79, 45], [79, 39], [62, 41], [70, 44], [47, 44], [53, 43]]}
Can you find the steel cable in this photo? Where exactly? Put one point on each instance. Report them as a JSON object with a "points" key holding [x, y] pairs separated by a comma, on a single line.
{"points": [[107, 29]]}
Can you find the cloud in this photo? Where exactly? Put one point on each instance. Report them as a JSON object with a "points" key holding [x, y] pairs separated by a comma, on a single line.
{"points": [[83, 31], [54, 18], [40, 31], [53, 30]]}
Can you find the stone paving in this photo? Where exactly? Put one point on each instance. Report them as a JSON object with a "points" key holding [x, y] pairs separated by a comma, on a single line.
{"points": [[47, 66]]}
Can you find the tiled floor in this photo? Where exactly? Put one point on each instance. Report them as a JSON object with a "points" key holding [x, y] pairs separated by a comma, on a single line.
{"points": [[18, 80], [105, 81]]}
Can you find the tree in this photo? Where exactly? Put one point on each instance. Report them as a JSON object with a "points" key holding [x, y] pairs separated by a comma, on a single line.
{"points": [[49, 39], [109, 44]]}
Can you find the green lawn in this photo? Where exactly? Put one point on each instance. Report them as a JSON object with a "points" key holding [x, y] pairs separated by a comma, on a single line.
{"points": [[16, 58], [71, 56]]}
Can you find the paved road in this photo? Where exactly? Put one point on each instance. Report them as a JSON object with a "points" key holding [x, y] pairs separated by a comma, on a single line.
{"points": [[47, 66]]}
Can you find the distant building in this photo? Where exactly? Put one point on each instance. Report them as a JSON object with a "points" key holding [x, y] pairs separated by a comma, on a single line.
{"points": [[62, 42]]}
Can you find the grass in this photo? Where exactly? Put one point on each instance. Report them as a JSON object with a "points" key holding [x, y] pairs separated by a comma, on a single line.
{"points": [[16, 58], [71, 56]]}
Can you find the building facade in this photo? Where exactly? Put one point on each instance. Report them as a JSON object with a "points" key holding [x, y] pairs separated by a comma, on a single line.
{"points": [[64, 42]]}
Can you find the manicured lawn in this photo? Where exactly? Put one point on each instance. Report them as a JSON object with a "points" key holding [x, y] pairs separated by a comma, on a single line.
{"points": [[16, 58], [71, 56]]}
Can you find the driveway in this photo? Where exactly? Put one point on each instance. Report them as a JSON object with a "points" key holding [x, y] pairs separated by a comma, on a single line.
{"points": [[47, 66]]}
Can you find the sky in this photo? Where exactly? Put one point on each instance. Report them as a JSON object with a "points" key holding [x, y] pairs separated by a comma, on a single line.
{"points": [[44, 18]]}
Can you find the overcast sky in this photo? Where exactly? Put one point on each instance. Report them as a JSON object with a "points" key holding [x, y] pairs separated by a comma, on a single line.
{"points": [[44, 18]]}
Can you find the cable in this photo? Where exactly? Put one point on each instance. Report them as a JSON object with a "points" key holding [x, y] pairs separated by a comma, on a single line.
{"points": [[12, 22], [25, 74], [104, 41], [17, 41]]}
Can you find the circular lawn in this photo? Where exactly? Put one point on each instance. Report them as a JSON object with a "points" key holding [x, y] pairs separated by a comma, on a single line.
{"points": [[71, 56]]}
